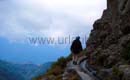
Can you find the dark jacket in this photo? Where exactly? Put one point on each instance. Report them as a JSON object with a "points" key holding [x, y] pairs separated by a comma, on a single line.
{"points": [[76, 46]]}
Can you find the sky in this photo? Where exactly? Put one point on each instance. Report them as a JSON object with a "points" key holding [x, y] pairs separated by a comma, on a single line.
{"points": [[24, 23]]}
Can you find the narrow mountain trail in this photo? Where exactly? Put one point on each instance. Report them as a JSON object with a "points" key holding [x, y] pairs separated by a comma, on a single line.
{"points": [[83, 70]]}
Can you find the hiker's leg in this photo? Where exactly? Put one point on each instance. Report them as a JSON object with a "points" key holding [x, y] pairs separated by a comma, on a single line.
{"points": [[72, 57], [76, 58]]}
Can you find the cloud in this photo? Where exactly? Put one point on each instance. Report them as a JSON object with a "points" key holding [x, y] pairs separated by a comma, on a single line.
{"points": [[20, 19]]}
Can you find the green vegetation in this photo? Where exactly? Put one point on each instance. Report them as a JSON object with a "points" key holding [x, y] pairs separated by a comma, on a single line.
{"points": [[117, 72], [58, 67], [55, 72], [126, 52]]}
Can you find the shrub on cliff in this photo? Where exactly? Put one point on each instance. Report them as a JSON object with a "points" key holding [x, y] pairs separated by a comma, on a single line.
{"points": [[126, 52]]}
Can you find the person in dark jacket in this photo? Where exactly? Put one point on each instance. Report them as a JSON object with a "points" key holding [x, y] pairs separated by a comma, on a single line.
{"points": [[76, 48]]}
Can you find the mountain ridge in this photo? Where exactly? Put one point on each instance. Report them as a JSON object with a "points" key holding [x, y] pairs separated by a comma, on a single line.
{"points": [[12, 71]]}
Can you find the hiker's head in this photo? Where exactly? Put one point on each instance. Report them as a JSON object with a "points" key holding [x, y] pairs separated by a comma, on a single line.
{"points": [[78, 37]]}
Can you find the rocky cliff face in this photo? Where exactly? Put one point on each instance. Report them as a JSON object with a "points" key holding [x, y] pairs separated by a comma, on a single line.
{"points": [[109, 41]]}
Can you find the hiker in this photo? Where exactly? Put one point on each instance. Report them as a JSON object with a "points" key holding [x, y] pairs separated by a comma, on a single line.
{"points": [[76, 48]]}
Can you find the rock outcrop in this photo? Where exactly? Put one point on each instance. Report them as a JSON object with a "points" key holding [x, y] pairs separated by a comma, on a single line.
{"points": [[109, 41]]}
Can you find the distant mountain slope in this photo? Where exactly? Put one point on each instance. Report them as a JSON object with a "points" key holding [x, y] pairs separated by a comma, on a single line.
{"points": [[10, 71]]}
